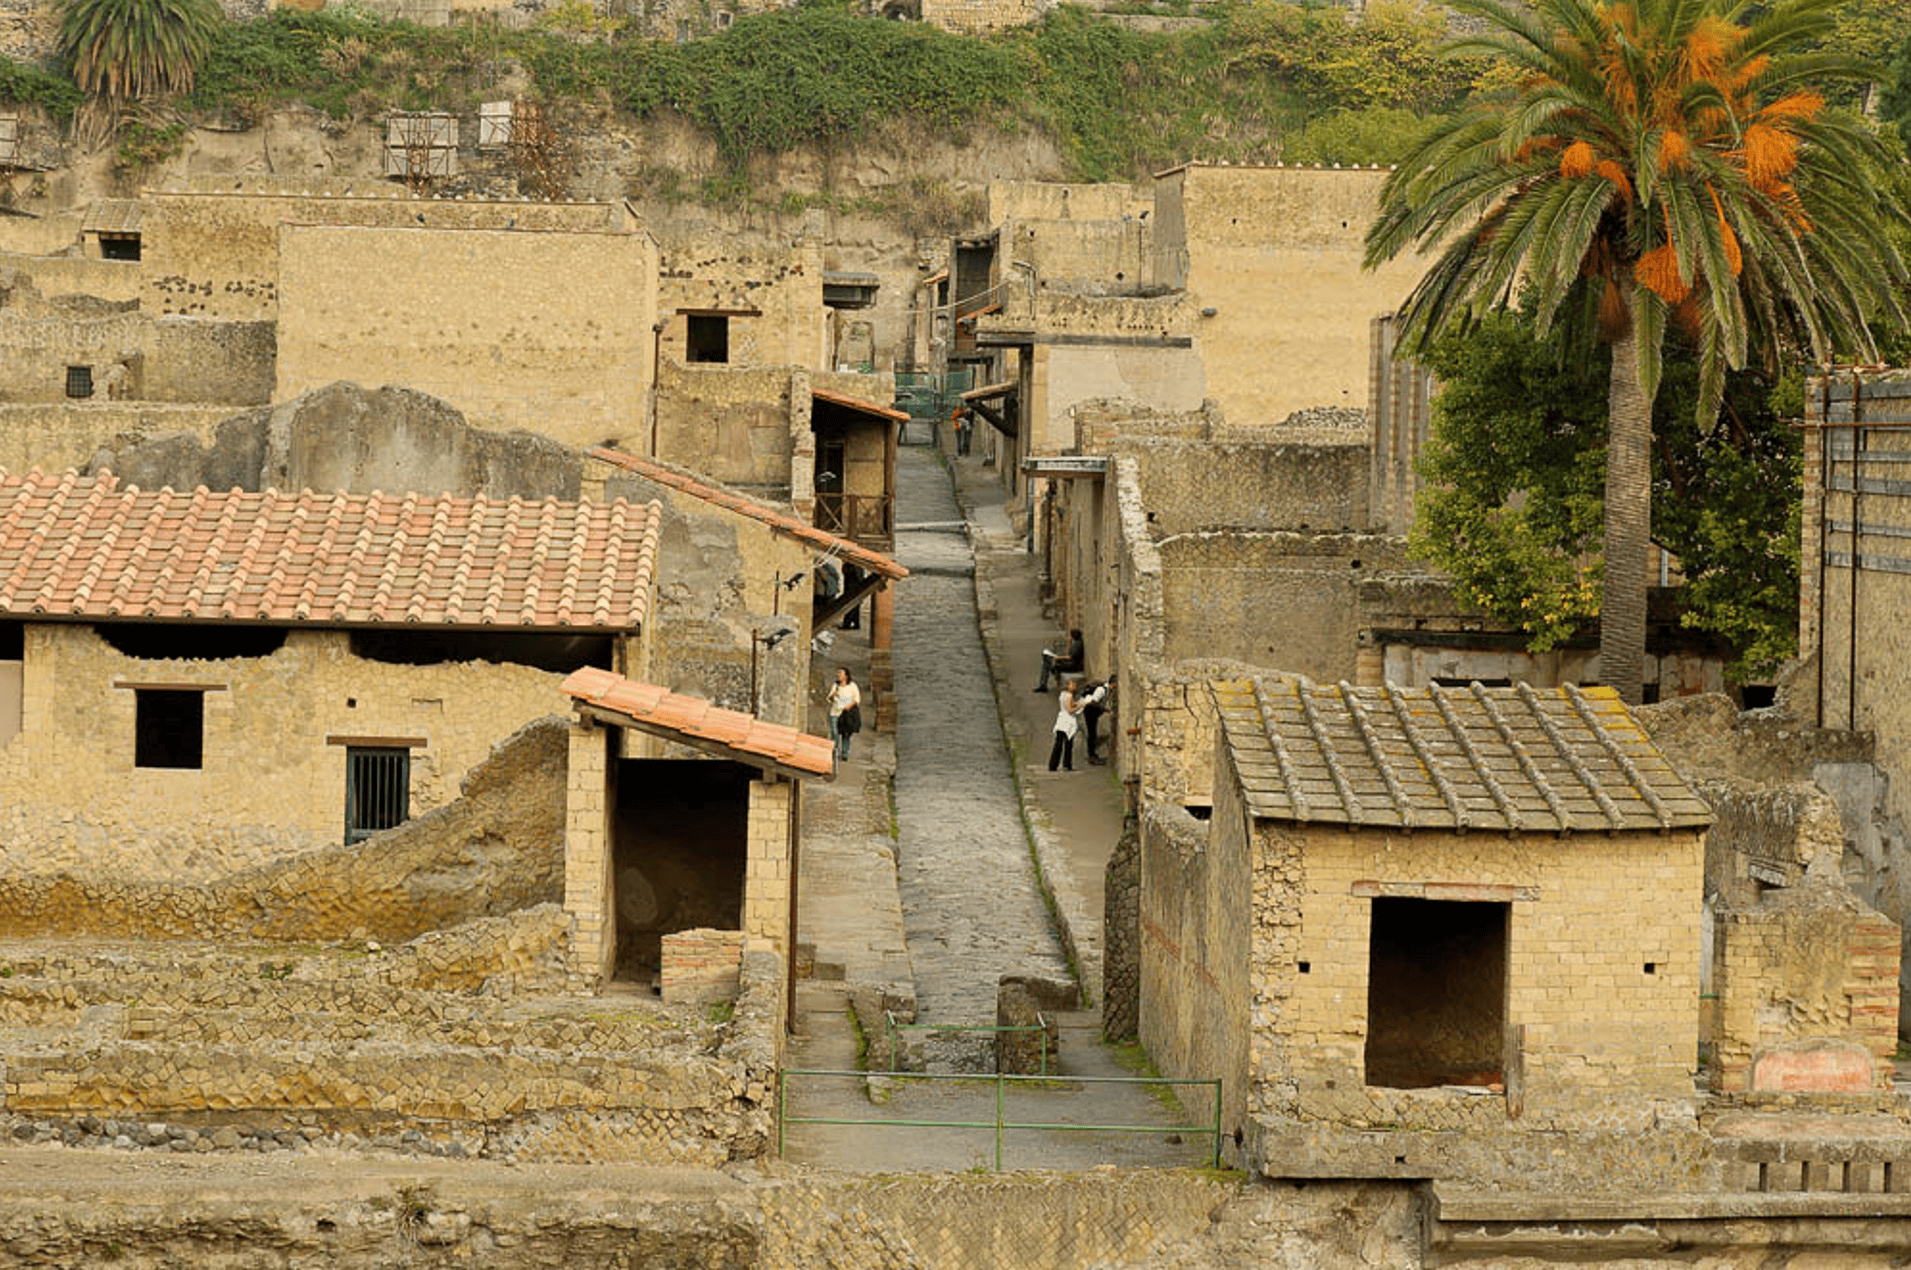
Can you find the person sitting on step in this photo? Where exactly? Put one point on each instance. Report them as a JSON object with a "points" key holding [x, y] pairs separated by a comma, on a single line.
{"points": [[1055, 664]]}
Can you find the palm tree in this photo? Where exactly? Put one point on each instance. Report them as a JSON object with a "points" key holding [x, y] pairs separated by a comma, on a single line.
{"points": [[123, 49], [1657, 161]]}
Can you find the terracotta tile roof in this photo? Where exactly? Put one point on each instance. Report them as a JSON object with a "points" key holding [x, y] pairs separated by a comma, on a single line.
{"points": [[857, 403], [1521, 758], [842, 548], [79, 548], [696, 722]]}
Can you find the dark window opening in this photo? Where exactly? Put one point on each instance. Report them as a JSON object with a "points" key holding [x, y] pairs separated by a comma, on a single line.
{"points": [[1758, 696], [1436, 993], [1200, 811], [1648, 694], [706, 338], [119, 246], [79, 381], [169, 728], [377, 790], [681, 839], [13, 641], [155, 641], [1454, 681], [554, 652]]}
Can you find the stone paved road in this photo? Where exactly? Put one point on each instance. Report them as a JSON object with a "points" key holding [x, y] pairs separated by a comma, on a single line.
{"points": [[970, 905]]}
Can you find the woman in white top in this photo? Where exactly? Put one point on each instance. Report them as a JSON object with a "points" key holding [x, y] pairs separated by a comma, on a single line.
{"points": [[845, 712], [1062, 753]]}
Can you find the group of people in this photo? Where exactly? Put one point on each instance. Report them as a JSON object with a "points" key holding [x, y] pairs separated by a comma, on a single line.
{"points": [[1080, 707]]}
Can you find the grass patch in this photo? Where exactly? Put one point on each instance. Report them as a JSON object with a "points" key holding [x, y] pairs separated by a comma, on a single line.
{"points": [[720, 1012]]}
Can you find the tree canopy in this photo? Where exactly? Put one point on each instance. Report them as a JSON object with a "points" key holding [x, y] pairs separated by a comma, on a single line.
{"points": [[137, 48], [1652, 164]]}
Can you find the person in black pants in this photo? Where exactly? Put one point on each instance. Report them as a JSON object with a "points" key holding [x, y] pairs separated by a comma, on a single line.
{"points": [[1054, 664], [1096, 702], [1067, 724]]}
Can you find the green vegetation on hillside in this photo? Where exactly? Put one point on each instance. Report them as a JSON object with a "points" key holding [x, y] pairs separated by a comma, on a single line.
{"points": [[1256, 80]]}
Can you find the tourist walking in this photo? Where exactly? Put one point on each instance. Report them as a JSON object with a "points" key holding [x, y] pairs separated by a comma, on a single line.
{"points": [[845, 712], [1062, 753]]}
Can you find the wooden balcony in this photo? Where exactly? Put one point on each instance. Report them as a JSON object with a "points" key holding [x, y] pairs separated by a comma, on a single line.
{"points": [[868, 519]]}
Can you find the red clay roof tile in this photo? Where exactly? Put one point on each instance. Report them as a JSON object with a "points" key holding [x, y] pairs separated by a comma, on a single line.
{"points": [[659, 711], [74, 547]]}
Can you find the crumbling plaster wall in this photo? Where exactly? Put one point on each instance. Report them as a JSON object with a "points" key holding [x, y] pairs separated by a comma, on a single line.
{"points": [[270, 786], [546, 331], [733, 424], [1807, 985], [56, 436]]}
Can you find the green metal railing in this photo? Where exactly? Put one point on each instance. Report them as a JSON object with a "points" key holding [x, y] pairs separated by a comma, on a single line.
{"points": [[1000, 1124], [930, 396], [893, 1030]]}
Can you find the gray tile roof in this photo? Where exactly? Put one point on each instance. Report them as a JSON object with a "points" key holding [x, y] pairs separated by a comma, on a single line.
{"points": [[1512, 759]]}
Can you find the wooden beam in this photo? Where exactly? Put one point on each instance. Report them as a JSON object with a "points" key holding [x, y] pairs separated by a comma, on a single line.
{"points": [[822, 617]]}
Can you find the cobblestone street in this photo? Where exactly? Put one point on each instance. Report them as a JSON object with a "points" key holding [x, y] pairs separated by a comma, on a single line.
{"points": [[970, 904]]}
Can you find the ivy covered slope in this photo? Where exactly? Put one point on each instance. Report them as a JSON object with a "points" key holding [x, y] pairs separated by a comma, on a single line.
{"points": [[1257, 80]]}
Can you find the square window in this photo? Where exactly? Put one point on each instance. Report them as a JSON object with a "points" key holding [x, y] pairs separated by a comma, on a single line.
{"points": [[119, 246], [79, 381], [707, 337], [169, 728]]}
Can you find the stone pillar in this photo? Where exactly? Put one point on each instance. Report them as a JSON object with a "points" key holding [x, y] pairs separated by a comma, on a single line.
{"points": [[882, 666], [1370, 662], [766, 876], [588, 855]]}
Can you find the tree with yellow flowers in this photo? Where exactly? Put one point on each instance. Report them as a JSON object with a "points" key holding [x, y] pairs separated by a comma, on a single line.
{"points": [[1652, 163]]}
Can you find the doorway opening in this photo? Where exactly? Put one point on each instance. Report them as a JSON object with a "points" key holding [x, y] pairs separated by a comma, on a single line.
{"points": [[680, 854], [1436, 993]]}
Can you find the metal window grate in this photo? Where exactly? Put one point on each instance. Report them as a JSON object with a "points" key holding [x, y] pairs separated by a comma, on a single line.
{"points": [[79, 381], [377, 790]]}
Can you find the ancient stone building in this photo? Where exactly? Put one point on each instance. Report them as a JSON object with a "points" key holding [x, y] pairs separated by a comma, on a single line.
{"points": [[1464, 911], [224, 679]]}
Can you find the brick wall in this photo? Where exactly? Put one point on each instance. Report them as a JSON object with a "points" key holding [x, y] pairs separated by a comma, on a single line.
{"points": [[702, 965], [1807, 985], [766, 879], [589, 816]]}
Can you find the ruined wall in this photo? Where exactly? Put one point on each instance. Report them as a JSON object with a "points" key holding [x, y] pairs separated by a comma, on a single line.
{"points": [[216, 254], [168, 360], [68, 434], [973, 17], [1132, 644], [716, 584], [1309, 482], [1090, 256], [732, 424], [271, 786], [544, 331], [773, 300], [1065, 201], [1285, 601], [1197, 927], [1276, 253], [1602, 973], [1068, 374], [1807, 985], [63, 275]]}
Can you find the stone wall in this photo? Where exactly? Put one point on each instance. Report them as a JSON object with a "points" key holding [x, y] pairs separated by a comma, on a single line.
{"points": [[546, 331], [1285, 601], [1311, 483], [1807, 985], [70, 434], [132, 357], [1121, 937], [1199, 925], [494, 849], [733, 424], [65, 275], [272, 780], [717, 574], [215, 254], [1063, 201], [772, 300], [1276, 253]]}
